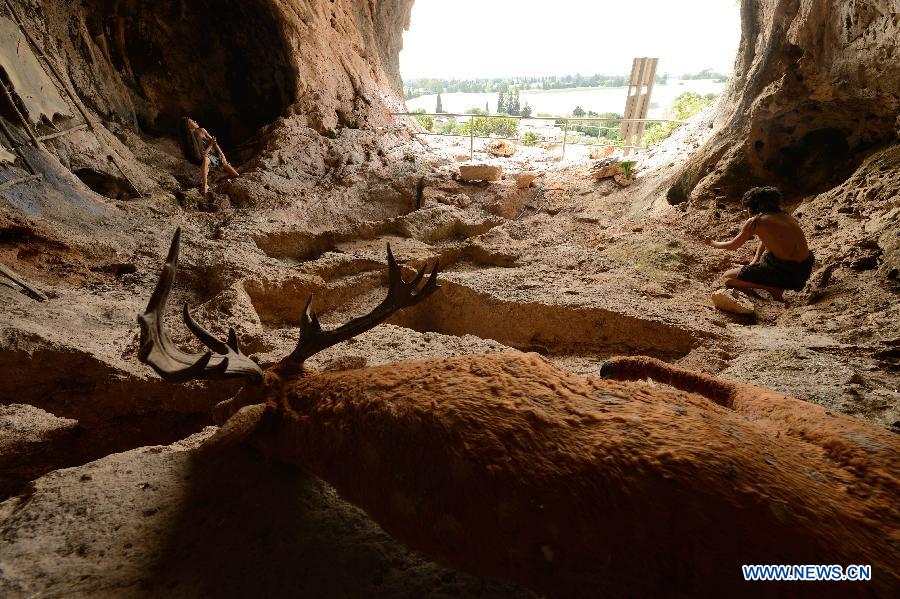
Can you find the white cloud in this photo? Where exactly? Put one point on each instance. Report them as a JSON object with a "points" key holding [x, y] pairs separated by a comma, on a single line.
{"points": [[494, 38]]}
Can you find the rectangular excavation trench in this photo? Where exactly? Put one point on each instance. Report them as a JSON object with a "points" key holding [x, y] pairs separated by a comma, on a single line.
{"points": [[552, 330]]}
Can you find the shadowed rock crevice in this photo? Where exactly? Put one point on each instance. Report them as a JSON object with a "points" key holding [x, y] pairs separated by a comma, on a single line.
{"points": [[229, 525], [93, 409], [106, 184]]}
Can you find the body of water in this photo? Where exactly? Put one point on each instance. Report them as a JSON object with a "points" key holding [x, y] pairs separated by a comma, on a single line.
{"points": [[563, 101]]}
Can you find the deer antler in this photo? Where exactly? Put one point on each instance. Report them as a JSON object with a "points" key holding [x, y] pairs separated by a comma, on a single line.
{"points": [[400, 295], [224, 360]]}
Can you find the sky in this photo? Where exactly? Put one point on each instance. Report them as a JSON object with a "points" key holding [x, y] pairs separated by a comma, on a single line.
{"points": [[495, 38]]}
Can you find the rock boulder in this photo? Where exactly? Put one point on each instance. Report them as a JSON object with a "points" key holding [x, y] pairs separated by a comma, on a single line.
{"points": [[501, 147], [729, 300], [525, 179], [480, 172]]}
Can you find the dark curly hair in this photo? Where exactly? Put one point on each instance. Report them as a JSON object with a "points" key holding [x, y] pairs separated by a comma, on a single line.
{"points": [[760, 200], [188, 144]]}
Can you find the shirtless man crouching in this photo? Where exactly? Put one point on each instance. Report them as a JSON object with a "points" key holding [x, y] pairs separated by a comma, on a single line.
{"points": [[783, 260]]}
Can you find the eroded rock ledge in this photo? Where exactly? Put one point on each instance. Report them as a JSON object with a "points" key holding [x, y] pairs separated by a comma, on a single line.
{"points": [[816, 85]]}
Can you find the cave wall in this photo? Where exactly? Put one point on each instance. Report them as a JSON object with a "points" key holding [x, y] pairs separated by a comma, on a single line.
{"points": [[816, 85], [235, 65]]}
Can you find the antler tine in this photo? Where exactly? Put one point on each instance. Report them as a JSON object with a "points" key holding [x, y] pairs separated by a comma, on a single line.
{"points": [[310, 318], [415, 282], [400, 295], [224, 360], [205, 337], [430, 285]]}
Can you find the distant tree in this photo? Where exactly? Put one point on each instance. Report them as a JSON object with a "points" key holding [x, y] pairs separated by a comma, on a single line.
{"points": [[578, 112], [512, 103], [487, 109], [705, 74], [526, 109], [501, 104], [439, 108]]}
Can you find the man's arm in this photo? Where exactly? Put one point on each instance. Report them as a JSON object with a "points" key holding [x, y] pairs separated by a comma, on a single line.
{"points": [[742, 237], [759, 252]]}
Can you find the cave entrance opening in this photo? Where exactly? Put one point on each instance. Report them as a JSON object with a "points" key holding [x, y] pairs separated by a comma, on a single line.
{"points": [[570, 61], [224, 63]]}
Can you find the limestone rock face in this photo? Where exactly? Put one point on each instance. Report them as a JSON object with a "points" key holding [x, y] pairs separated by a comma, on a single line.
{"points": [[391, 19], [294, 91], [816, 84], [30, 83], [605, 168], [234, 66]]}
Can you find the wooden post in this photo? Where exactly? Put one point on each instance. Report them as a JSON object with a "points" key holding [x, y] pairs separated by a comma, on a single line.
{"points": [[57, 134], [29, 289], [643, 74], [61, 133], [472, 138], [565, 138]]}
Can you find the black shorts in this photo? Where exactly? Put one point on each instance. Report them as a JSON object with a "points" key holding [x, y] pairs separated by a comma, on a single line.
{"points": [[775, 272]]}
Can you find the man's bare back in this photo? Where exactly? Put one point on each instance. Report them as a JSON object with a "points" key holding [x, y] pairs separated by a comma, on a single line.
{"points": [[781, 234], [782, 260]]}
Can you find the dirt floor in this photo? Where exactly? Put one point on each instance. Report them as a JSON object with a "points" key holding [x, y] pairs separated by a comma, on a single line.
{"points": [[573, 268]]}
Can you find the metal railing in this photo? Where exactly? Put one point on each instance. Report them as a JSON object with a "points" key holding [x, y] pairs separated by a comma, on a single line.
{"points": [[556, 119]]}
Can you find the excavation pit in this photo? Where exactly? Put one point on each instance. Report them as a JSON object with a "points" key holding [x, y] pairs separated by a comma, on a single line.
{"points": [[296, 246], [551, 330], [281, 303], [435, 226], [87, 395]]}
